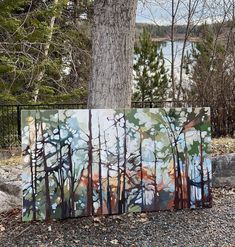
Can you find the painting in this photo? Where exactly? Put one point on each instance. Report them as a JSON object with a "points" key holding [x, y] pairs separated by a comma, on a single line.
{"points": [[105, 161]]}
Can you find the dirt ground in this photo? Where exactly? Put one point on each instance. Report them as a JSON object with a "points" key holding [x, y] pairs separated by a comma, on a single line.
{"points": [[202, 227]]}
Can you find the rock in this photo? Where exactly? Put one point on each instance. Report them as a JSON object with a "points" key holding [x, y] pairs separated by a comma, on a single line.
{"points": [[4, 154], [223, 168], [8, 202], [10, 187]]}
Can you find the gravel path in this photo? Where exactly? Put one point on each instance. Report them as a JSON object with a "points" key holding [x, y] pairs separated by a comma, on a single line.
{"points": [[207, 227]]}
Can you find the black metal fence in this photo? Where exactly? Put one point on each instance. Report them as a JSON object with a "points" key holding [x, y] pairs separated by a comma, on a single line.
{"points": [[10, 118]]}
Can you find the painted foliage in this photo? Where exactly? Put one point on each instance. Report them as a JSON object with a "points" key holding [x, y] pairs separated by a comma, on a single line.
{"points": [[94, 162]]}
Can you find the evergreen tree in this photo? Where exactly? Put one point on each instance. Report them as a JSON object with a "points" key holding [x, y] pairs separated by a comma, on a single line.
{"points": [[149, 70], [213, 80], [208, 60], [44, 50]]}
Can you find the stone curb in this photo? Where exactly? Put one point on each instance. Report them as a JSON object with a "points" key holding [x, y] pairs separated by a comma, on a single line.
{"points": [[223, 170]]}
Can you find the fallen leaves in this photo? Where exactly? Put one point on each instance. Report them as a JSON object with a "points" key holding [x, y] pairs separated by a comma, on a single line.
{"points": [[2, 228], [143, 218], [114, 241], [97, 221]]}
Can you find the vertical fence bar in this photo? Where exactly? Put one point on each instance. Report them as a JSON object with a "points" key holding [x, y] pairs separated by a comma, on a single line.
{"points": [[19, 122]]}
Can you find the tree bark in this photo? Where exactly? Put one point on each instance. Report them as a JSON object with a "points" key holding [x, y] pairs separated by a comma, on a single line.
{"points": [[45, 53], [112, 47]]}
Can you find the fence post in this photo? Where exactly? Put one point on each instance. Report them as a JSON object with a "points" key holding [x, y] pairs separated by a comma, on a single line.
{"points": [[19, 123]]}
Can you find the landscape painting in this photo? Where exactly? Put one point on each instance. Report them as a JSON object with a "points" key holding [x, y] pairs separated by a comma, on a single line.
{"points": [[105, 161]]}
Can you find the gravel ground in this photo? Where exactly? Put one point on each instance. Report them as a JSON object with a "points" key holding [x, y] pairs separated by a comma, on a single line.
{"points": [[203, 227], [223, 145]]}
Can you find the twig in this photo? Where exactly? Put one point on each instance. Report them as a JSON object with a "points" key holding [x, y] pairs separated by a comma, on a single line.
{"points": [[23, 231]]}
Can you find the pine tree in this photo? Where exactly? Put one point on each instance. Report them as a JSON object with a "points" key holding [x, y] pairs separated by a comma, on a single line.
{"points": [[44, 51], [208, 58], [213, 79], [150, 74]]}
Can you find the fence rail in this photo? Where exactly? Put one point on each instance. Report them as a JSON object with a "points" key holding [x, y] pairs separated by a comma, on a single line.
{"points": [[223, 120]]}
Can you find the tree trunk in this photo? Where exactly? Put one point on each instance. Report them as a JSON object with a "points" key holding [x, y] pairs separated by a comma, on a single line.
{"points": [[45, 52], [173, 52], [112, 46]]}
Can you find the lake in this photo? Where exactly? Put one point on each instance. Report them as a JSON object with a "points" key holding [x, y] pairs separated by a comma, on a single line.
{"points": [[178, 45]]}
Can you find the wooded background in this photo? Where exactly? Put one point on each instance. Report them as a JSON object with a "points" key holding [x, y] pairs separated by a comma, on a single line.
{"points": [[70, 51]]}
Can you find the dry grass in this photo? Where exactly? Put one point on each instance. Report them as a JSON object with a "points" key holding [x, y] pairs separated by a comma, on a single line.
{"points": [[12, 161], [223, 146]]}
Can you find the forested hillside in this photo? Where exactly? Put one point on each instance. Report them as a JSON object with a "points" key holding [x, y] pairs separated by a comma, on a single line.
{"points": [[160, 33]]}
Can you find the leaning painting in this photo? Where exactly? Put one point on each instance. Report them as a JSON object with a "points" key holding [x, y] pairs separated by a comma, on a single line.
{"points": [[95, 162]]}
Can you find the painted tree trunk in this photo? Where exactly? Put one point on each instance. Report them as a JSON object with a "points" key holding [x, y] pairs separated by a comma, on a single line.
{"points": [[46, 179], [187, 198], [89, 169], [100, 173], [63, 204], [155, 172], [35, 169], [32, 165], [201, 169], [179, 175], [109, 201], [118, 170], [141, 173], [72, 182], [123, 197], [112, 59]]}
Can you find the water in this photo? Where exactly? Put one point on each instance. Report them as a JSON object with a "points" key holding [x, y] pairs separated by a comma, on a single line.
{"points": [[178, 46]]}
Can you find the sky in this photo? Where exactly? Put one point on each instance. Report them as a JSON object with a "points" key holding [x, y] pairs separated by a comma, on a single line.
{"points": [[152, 13], [159, 12]]}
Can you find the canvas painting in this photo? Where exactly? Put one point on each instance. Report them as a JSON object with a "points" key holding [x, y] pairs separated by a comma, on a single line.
{"points": [[104, 162]]}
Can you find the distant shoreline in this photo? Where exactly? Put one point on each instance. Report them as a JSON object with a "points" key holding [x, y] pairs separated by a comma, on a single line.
{"points": [[177, 38]]}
